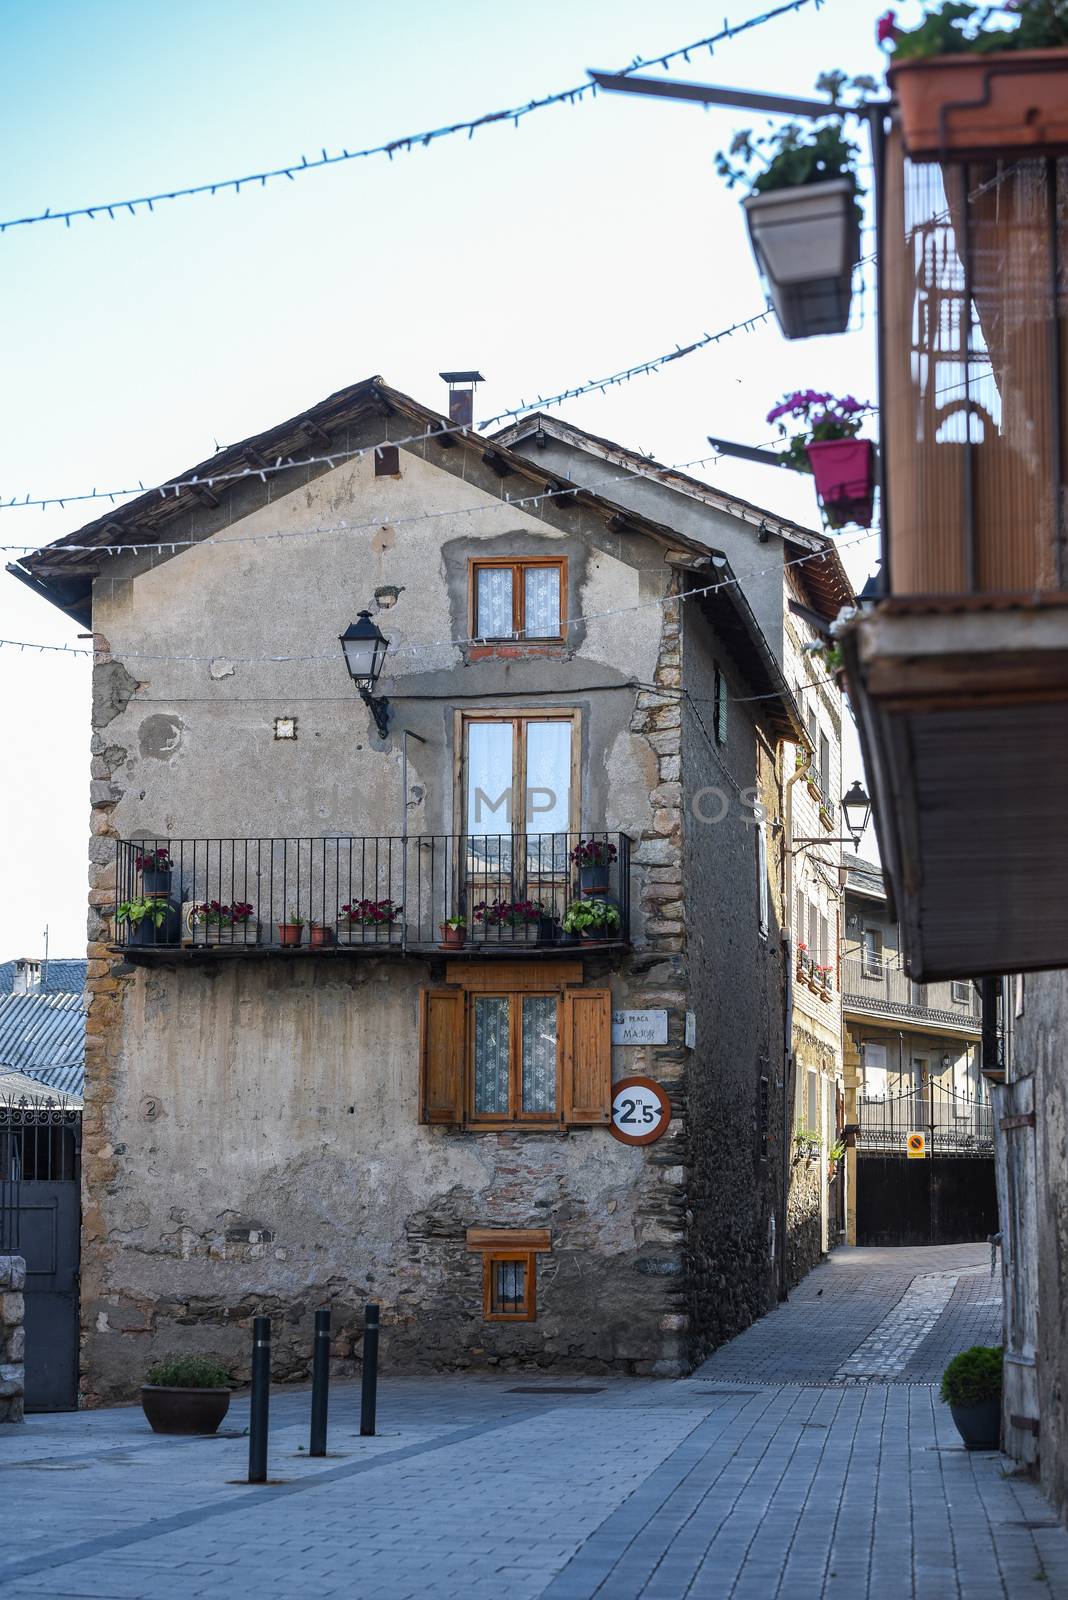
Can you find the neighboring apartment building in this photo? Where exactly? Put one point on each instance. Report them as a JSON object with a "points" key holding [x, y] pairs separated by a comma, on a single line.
{"points": [[370, 1113], [918, 1071], [958, 675], [790, 576]]}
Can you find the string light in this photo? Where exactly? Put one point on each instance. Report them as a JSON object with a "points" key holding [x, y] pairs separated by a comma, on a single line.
{"points": [[431, 431], [404, 145], [444, 644]]}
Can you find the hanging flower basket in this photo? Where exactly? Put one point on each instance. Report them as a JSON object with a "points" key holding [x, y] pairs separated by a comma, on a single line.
{"points": [[806, 242], [844, 470]]}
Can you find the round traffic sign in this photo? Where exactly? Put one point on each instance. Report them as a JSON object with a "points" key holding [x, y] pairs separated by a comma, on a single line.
{"points": [[641, 1110]]}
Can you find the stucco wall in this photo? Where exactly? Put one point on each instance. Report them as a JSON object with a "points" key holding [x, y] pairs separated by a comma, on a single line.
{"points": [[225, 1172]]}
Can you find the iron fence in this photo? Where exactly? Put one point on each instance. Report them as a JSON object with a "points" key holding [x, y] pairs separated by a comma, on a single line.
{"points": [[954, 1124], [40, 1138], [374, 893]]}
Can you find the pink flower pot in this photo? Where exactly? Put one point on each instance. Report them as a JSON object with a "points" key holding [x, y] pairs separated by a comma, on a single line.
{"points": [[844, 470]]}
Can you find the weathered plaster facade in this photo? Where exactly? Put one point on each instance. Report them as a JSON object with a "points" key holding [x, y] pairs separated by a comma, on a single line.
{"points": [[252, 1131]]}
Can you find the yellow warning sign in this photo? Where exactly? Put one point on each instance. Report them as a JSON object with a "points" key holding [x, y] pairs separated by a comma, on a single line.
{"points": [[916, 1145]]}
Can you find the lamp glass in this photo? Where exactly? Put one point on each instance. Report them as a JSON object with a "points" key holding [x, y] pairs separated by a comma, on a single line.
{"points": [[856, 808], [365, 651]]}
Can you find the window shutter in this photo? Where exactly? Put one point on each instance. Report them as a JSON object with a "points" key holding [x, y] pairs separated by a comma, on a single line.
{"points": [[586, 1034], [442, 1041]]}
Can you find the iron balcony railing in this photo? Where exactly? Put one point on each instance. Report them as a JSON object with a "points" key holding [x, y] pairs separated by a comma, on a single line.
{"points": [[879, 986], [501, 891], [954, 1123]]}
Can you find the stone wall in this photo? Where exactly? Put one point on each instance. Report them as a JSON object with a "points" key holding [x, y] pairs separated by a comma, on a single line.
{"points": [[736, 991], [808, 1185], [12, 1338]]}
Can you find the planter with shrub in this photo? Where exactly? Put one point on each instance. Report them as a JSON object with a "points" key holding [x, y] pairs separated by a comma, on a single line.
{"points": [[148, 921], [156, 871], [594, 858], [453, 933], [186, 1394], [971, 1387], [593, 920], [508, 921], [217, 923], [822, 434], [370, 922]]}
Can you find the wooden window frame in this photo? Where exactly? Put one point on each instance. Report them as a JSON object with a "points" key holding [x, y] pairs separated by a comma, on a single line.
{"points": [[518, 566], [517, 717], [528, 1259], [516, 1115]]}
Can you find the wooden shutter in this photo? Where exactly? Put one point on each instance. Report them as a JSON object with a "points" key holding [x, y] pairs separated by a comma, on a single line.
{"points": [[442, 1043], [586, 1032]]}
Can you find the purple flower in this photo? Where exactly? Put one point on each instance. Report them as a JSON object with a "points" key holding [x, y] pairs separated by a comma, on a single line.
{"points": [[886, 28]]}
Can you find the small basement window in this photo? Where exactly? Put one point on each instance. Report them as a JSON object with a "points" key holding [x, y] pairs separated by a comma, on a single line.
{"points": [[508, 1286], [387, 461]]}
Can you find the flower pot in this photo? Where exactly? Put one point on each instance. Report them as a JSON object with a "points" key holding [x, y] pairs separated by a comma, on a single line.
{"points": [[844, 470], [363, 933], [453, 938], [156, 880], [594, 879], [506, 933], [318, 936], [806, 242], [979, 1424], [184, 1410], [226, 933], [1011, 102], [146, 933], [290, 932]]}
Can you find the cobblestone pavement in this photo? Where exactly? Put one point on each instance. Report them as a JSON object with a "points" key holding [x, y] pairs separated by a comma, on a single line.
{"points": [[614, 1488]]}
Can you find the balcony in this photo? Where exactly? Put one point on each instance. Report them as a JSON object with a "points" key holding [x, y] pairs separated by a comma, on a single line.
{"points": [[883, 989], [504, 894], [955, 1124], [959, 676]]}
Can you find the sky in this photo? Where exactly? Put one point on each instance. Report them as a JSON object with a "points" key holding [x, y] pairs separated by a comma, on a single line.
{"points": [[582, 240]]}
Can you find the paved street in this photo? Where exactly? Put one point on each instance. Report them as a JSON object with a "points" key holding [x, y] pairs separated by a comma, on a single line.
{"points": [[776, 1469]]}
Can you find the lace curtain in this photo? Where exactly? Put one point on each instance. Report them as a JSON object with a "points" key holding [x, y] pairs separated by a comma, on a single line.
{"points": [[491, 1055], [494, 603], [542, 602], [539, 1053]]}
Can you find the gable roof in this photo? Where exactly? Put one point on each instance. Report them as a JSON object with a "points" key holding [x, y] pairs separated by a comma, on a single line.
{"points": [[823, 578], [864, 877], [65, 575]]}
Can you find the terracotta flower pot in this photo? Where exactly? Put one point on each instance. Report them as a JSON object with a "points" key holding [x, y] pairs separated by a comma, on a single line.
{"points": [[319, 936], [844, 470], [290, 932], [184, 1410], [453, 938], [1010, 102]]}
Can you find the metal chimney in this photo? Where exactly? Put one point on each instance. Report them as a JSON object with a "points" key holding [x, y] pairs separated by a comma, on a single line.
{"points": [[462, 396]]}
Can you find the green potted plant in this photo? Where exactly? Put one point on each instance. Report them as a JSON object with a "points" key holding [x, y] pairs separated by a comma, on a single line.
{"points": [[149, 920], [291, 931], [822, 433], [186, 1394], [971, 1387], [454, 933], [592, 920], [370, 922], [154, 865], [594, 858], [968, 86], [803, 213], [217, 923], [508, 921]]}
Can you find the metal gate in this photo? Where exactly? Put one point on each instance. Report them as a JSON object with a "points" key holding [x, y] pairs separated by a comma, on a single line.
{"points": [[40, 1152]]}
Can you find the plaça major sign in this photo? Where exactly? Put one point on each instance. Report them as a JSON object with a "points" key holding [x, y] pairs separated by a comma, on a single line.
{"points": [[639, 1027]]}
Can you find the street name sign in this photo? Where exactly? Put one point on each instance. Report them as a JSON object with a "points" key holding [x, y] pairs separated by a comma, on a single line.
{"points": [[639, 1027]]}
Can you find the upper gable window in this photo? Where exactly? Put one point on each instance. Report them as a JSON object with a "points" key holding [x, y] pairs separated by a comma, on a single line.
{"points": [[521, 599]]}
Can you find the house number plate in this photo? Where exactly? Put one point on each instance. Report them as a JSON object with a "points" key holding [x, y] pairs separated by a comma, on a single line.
{"points": [[641, 1110]]}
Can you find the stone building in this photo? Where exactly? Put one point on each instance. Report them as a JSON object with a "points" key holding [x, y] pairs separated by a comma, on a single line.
{"points": [[792, 578], [369, 1113]]}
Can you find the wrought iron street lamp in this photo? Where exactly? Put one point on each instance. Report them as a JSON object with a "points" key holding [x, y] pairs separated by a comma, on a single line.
{"points": [[365, 651], [856, 809]]}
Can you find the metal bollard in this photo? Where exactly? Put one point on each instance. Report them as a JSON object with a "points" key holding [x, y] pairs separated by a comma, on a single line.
{"points": [[369, 1387], [261, 1396], [320, 1383]]}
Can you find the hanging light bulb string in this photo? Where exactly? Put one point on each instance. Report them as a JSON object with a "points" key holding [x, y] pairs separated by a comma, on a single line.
{"points": [[135, 205]]}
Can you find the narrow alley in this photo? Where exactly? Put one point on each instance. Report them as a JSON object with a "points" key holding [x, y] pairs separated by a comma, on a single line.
{"points": [[809, 1457]]}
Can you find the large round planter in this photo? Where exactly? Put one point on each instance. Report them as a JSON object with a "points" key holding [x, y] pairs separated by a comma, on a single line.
{"points": [[844, 470], [184, 1410], [979, 1425], [1011, 102], [806, 242], [146, 932]]}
